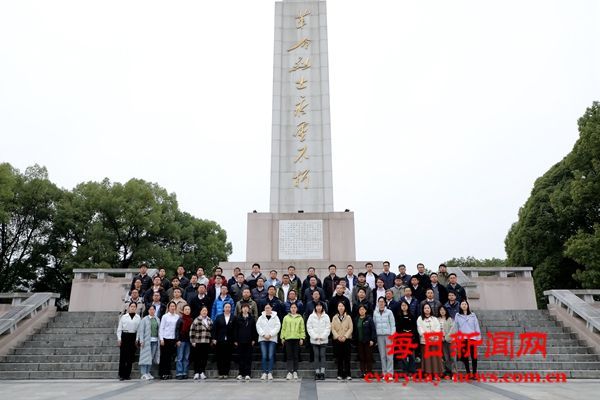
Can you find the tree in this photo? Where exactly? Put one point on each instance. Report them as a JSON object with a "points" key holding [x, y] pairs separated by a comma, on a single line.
{"points": [[46, 232], [557, 231], [467, 262], [27, 208]]}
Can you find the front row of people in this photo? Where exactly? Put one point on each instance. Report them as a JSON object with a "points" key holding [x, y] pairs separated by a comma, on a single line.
{"points": [[180, 336]]}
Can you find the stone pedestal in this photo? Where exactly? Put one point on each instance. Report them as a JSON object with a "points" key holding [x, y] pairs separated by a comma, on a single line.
{"points": [[277, 240]]}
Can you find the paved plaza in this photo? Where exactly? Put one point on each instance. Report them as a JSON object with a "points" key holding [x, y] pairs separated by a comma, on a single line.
{"points": [[280, 389]]}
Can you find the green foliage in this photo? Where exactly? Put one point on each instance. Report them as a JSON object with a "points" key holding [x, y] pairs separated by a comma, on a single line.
{"points": [[468, 262], [46, 232], [27, 208], [558, 227]]}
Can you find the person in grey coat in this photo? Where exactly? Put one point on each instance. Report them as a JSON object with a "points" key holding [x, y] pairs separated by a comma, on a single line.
{"points": [[147, 337], [385, 325]]}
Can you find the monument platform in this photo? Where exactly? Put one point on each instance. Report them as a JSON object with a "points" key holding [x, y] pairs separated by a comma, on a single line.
{"points": [[301, 239]]}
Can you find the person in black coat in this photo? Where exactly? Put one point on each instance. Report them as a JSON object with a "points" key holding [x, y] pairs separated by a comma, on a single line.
{"points": [[365, 337], [306, 282], [330, 282], [422, 276], [277, 305], [312, 287], [418, 291], [440, 292], [144, 277], [223, 337], [453, 285], [406, 324], [245, 336], [201, 299], [160, 308], [391, 304], [335, 300]]}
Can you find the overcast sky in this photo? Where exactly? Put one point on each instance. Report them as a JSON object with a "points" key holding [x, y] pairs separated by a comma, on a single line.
{"points": [[443, 112]]}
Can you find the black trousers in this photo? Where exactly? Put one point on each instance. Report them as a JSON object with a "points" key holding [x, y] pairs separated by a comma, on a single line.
{"points": [[472, 348], [223, 353], [200, 357], [245, 358], [167, 352], [292, 351], [127, 354], [342, 355]]}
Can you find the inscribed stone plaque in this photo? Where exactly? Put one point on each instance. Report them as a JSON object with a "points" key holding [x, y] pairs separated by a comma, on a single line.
{"points": [[300, 239]]}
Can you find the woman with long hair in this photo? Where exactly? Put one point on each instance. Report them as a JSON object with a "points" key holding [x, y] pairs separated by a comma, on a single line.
{"points": [[406, 324], [427, 323], [385, 325], [365, 337], [292, 337], [166, 334], [342, 327], [200, 336], [318, 327], [447, 325], [147, 337], [467, 324]]}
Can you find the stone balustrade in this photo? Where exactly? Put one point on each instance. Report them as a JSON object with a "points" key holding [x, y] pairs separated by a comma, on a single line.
{"points": [[579, 304], [501, 272], [28, 308]]}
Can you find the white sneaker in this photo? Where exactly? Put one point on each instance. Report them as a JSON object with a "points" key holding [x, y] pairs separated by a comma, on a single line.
{"points": [[295, 375], [202, 376], [339, 378], [239, 377], [270, 376], [289, 376], [196, 376], [247, 377], [144, 377], [263, 377], [150, 377], [349, 378]]}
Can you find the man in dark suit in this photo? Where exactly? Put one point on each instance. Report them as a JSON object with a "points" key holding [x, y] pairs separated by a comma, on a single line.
{"points": [[330, 282]]}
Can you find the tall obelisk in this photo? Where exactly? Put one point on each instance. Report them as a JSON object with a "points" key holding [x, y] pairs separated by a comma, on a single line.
{"points": [[301, 227], [301, 177]]}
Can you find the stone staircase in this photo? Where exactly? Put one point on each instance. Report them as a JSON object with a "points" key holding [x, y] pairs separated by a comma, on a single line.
{"points": [[564, 351], [79, 345]]}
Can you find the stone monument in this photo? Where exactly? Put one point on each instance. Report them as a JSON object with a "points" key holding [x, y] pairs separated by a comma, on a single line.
{"points": [[301, 227]]}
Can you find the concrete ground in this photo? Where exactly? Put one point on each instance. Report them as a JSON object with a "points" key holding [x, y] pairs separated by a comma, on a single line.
{"points": [[284, 390]]}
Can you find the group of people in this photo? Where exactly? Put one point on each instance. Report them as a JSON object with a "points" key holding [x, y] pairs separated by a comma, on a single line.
{"points": [[187, 317]]}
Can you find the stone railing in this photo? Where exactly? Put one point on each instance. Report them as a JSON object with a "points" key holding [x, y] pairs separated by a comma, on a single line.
{"points": [[498, 288], [579, 304], [103, 273], [501, 272], [22, 310], [101, 289]]}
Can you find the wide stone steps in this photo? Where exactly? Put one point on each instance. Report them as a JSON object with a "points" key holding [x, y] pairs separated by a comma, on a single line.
{"points": [[83, 346], [278, 374]]}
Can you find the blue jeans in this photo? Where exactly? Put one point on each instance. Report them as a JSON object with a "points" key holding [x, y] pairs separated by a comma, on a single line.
{"points": [[183, 359], [267, 349]]}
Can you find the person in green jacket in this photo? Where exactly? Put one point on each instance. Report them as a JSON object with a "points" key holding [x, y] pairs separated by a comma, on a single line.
{"points": [[292, 337]]}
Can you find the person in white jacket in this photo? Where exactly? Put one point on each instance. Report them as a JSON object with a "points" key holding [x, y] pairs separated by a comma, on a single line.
{"points": [[319, 328], [267, 327], [427, 323]]}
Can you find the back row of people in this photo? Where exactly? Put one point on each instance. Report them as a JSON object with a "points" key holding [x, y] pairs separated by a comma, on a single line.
{"points": [[184, 290]]}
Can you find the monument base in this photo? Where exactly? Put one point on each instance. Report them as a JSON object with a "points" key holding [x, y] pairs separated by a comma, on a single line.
{"points": [[278, 240]]}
